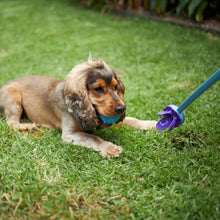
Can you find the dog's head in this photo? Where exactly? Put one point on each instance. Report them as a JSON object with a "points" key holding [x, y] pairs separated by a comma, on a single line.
{"points": [[93, 88]]}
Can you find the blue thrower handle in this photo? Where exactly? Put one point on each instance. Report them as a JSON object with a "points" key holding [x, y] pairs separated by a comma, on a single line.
{"points": [[209, 82]]}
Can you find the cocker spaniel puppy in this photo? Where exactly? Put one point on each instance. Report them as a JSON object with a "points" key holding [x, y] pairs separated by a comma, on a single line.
{"points": [[73, 105]]}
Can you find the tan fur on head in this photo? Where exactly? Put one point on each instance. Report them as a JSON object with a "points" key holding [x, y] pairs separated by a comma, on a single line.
{"points": [[76, 94], [79, 72]]}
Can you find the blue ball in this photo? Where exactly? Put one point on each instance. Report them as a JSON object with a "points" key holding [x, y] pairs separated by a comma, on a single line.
{"points": [[109, 120]]}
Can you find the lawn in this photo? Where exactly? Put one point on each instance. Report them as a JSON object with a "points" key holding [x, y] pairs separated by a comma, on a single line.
{"points": [[160, 174]]}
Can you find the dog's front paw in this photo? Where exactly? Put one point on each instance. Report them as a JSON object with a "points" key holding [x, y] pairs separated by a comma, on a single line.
{"points": [[146, 125], [111, 151]]}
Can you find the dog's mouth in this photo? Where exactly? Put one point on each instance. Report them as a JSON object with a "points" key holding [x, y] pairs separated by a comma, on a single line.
{"points": [[109, 121]]}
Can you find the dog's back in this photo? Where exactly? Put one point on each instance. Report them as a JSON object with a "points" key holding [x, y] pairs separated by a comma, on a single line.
{"points": [[32, 95]]}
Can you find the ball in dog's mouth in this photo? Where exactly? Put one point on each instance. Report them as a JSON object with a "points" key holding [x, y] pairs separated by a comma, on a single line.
{"points": [[108, 121]]}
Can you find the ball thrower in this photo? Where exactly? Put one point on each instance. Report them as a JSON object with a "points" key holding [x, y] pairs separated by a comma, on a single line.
{"points": [[173, 115]]}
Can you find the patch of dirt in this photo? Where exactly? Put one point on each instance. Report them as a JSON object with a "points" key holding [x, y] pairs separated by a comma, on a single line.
{"points": [[211, 25]]}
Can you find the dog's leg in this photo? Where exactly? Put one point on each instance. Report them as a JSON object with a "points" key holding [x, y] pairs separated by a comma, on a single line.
{"points": [[139, 124], [73, 134], [107, 149], [10, 102]]}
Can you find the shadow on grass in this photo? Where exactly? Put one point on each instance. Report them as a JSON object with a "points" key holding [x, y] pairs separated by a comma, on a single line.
{"points": [[189, 140]]}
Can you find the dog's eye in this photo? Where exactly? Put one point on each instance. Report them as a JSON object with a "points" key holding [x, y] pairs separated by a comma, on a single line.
{"points": [[99, 89], [116, 87]]}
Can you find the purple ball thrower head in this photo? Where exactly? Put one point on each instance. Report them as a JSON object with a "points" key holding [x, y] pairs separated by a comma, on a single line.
{"points": [[172, 118]]}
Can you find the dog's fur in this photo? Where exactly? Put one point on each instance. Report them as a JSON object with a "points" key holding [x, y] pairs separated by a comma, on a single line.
{"points": [[73, 105]]}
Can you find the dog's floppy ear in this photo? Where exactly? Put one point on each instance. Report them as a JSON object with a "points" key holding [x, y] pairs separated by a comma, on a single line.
{"points": [[77, 99]]}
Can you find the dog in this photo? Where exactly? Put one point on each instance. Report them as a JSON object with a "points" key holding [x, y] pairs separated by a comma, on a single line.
{"points": [[73, 105]]}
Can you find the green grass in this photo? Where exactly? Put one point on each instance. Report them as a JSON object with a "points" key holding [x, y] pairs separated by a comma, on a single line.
{"points": [[161, 174]]}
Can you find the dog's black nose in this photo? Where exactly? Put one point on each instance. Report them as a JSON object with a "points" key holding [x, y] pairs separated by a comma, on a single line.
{"points": [[119, 109]]}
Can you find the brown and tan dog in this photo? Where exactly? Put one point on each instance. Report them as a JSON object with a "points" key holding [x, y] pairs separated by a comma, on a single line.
{"points": [[73, 105]]}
